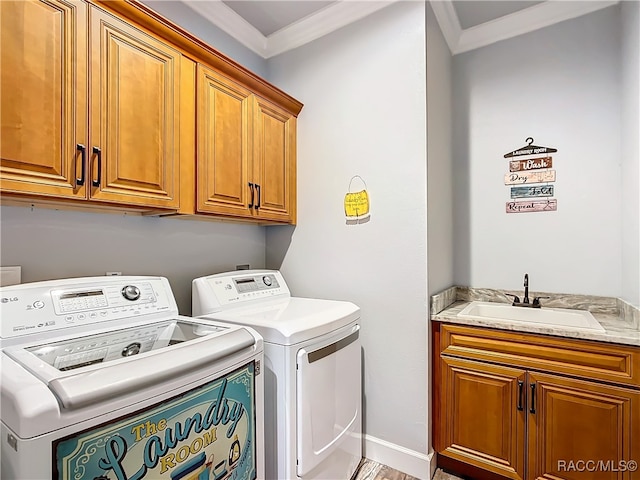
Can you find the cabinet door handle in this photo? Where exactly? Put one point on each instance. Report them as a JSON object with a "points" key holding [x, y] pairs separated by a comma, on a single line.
{"points": [[259, 195], [252, 191], [520, 392], [532, 407], [83, 152], [98, 153]]}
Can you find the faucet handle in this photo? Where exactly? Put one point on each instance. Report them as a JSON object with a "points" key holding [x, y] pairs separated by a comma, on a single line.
{"points": [[536, 301], [516, 299]]}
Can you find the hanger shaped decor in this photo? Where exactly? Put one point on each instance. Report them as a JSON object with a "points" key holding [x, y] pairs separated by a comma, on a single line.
{"points": [[529, 149]]}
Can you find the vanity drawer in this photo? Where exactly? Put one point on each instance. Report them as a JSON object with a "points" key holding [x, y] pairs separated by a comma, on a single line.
{"points": [[592, 360]]}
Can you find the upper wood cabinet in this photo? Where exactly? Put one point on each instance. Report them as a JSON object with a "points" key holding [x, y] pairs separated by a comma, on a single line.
{"points": [[43, 82], [246, 163], [506, 404], [59, 72], [135, 116], [106, 103]]}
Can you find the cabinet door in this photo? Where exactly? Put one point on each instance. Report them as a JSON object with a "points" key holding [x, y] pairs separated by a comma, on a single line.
{"points": [[135, 114], [43, 64], [274, 158], [581, 430], [223, 126], [483, 416]]}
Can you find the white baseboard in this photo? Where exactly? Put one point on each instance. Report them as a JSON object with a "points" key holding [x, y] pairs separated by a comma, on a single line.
{"points": [[413, 463]]}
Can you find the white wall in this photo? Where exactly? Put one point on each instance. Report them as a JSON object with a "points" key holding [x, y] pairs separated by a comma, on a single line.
{"points": [[364, 92], [631, 152], [51, 244], [561, 86]]}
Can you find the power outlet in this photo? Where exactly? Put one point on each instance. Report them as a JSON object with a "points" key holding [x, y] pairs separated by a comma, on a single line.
{"points": [[10, 276]]}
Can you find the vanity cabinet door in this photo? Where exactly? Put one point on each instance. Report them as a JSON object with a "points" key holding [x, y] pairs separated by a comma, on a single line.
{"points": [[572, 422], [43, 113], [482, 409]]}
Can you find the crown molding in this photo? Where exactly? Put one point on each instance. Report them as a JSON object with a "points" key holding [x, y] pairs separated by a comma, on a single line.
{"points": [[518, 23], [230, 22], [321, 23], [303, 31]]}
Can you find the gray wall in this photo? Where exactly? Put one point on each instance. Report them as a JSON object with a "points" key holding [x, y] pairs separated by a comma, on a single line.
{"points": [[52, 244], [631, 151], [440, 242], [364, 92], [561, 86]]}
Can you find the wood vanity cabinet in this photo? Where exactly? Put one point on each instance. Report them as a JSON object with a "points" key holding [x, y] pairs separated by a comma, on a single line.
{"points": [[520, 406], [67, 65], [246, 152]]}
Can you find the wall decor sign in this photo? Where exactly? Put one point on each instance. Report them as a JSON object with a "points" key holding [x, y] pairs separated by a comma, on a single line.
{"points": [[530, 164], [356, 204], [519, 178], [205, 434], [527, 172], [550, 205], [532, 191], [529, 149]]}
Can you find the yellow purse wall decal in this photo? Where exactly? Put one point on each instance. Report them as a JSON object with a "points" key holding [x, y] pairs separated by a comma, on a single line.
{"points": [[356, 204]]}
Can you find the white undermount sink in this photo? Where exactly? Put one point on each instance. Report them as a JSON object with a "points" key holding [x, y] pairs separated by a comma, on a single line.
{"points": [[558, 317]]}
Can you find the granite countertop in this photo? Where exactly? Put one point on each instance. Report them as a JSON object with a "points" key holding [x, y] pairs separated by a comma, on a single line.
{"points": [[620, 320]]}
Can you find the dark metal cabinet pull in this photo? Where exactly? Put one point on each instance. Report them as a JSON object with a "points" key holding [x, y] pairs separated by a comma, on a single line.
{"points": [[98, 153], [532, 407], [259, 195], [252, 191], [83, 152], [520, 392]]}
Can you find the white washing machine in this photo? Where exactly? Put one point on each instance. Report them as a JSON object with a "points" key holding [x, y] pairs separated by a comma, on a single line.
{"points": [[102, 379], [313, 393]]}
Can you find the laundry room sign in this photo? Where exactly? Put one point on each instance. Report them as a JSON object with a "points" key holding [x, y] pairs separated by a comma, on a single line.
{"points": [[531, 178], [207, 433]]}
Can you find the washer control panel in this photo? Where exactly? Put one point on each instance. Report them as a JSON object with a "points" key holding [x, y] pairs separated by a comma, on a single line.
{"points": [[44, 306]]}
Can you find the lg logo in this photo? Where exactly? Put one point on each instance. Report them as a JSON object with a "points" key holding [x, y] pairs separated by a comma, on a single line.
{"points": [[8, 299]]}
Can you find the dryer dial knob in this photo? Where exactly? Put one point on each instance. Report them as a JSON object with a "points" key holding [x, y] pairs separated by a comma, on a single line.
{"points": [[267, 281], [131, 349], [131, 292]]}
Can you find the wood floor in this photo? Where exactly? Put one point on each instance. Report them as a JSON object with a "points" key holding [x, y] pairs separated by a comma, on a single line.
{"points": [[370, 470]]}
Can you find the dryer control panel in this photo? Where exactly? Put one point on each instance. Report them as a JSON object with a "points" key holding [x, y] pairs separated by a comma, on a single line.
{"points": [[227, 290], [44, 306]]}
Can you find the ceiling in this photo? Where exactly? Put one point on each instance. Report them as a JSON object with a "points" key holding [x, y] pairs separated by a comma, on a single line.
{"points": [[271, 27]]}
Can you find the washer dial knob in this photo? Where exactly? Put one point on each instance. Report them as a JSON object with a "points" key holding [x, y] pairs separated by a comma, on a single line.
{"points": [[131, 292], [131, 349], [267, 281]]}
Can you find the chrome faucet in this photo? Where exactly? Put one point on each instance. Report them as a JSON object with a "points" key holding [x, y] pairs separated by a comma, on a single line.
{"points": [[525, 301]]}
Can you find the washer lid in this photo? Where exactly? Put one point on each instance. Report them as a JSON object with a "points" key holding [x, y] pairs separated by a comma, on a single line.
{"points": [[294, 320]]}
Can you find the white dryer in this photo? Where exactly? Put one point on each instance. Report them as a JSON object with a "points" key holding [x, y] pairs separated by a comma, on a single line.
{"points": [[313, 393]]}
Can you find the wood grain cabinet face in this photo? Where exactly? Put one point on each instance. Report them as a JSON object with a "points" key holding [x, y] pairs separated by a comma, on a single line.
{"points": [[274, 167], [246, 153], [223, 135], [481, 423], [498, 412], [581, 430], [65, 66], [135, 98], [43, 113]]}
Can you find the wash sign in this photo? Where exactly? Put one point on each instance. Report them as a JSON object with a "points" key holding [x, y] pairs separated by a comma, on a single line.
{"points": [[205, 434]]}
